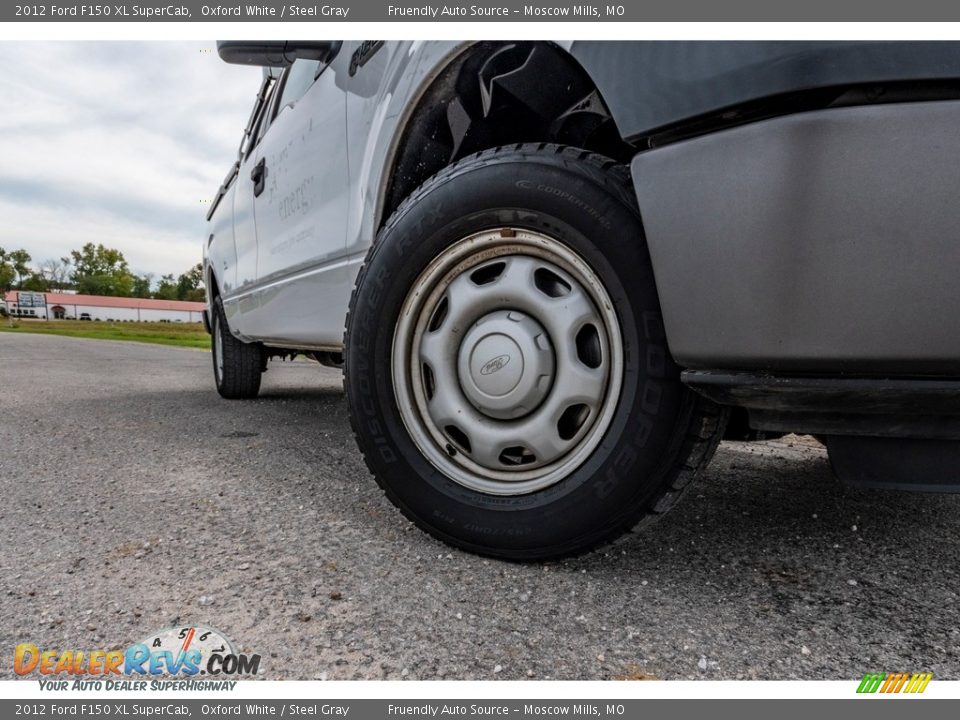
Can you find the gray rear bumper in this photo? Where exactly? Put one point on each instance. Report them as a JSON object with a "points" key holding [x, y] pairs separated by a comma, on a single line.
{"points": [[826, 241]]}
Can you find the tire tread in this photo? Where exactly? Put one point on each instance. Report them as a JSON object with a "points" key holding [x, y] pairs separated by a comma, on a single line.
{"points": [[242, 363]]}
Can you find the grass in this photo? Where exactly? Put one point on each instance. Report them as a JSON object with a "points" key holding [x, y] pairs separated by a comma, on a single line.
{"points": [[191, 335]]}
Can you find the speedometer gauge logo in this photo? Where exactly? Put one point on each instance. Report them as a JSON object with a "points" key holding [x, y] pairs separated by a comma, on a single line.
{"points": [[202, 638], [189, 650]]}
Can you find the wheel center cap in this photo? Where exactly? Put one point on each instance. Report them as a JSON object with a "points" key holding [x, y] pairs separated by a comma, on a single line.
{"points": [[506, 364], [496, 364]]}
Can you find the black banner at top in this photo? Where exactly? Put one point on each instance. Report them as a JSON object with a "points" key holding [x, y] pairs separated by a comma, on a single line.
{"points": [[485, 11]]}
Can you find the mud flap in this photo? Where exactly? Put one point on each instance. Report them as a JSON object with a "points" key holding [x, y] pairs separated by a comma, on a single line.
{"points": [[914, 464]]}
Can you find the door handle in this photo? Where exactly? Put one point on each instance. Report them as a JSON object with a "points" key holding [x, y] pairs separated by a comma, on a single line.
{"points": [[259, 176]]}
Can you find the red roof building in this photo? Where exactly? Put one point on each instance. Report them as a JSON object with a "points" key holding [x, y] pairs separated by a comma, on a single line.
{"points": [[101, 307]]}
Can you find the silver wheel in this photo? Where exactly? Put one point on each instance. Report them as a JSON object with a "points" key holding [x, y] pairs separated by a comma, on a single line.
{"points": [[217, 349], [507, 361]]}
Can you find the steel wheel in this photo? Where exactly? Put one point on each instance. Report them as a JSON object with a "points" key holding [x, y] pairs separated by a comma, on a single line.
{"points": [[217, 349], [507, 361]]}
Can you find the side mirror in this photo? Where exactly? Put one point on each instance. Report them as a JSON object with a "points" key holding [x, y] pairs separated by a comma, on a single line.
{"points": [[276, 53]]}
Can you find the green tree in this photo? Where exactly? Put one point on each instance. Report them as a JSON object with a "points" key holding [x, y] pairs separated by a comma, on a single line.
{"points": [[14, 268], [99, 270], [190, 284], [35, 282], [7, 275], [166, 288], [141, 285]]}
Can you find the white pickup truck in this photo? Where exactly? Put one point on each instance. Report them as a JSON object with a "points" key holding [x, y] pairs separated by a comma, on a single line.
{"points": [[552, 271]]}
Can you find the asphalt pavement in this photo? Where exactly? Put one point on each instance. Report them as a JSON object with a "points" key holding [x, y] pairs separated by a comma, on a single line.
{"points": [[134, 499]]}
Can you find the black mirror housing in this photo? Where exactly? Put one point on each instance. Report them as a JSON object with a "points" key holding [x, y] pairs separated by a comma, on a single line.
{"points": [[276, 53]]}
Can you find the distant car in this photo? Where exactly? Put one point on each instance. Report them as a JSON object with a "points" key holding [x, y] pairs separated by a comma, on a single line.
{"points": [[561, 264], [85, 316]]}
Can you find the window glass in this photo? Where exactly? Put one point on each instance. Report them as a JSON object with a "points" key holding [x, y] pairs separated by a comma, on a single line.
{"points": [[269, 112], [300, 77], [256, 121]]}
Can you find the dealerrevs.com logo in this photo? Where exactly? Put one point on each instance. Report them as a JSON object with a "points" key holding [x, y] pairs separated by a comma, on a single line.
{"points": [[176, 652], [893, 683]]}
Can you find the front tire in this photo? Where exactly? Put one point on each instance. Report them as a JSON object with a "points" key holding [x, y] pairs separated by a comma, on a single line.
{"points": [[237, 366], [506, 365]]}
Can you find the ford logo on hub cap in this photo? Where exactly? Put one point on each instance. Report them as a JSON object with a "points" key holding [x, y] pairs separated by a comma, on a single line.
{"points": [[494, 364]]}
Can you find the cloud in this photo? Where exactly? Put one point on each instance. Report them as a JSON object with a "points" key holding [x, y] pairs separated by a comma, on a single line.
{"points": [[116, 143]]}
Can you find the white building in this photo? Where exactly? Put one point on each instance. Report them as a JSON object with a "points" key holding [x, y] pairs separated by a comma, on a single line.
{"points": [[67, 306]]}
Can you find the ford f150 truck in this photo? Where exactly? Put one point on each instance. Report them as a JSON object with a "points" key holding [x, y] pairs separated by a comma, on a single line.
{"points": [[552, 271]]}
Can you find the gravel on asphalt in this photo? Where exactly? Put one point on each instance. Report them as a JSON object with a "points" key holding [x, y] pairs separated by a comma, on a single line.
{"points": [[136, 499]]}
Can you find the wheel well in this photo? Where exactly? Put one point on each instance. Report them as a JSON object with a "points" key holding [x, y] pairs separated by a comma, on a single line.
{"points": [[500, 93], [212, 285]]}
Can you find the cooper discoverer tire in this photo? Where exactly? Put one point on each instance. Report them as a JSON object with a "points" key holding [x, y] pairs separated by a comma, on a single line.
{"points": [[506, 366], [237, 366]]}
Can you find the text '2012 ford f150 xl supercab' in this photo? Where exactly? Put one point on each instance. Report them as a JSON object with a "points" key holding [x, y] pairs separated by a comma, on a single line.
{"points": [[553, 271]]}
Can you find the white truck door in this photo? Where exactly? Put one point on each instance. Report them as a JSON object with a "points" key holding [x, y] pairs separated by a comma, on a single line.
{"points": [[238, 269], [300, 196]]}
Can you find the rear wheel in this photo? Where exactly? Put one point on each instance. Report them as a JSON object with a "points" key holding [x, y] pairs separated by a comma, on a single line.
{"points": [[237, 366], [506, 366]]}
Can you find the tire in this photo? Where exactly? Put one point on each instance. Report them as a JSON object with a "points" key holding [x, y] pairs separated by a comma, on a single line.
{"points": [[237, 366], [559, 232]]}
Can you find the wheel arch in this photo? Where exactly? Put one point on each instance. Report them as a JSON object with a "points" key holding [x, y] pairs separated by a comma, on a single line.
{"points": [[213, 285], [448, 116]]}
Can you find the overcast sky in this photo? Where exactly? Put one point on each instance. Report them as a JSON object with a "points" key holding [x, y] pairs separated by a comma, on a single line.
{"points": [[116, 143]]}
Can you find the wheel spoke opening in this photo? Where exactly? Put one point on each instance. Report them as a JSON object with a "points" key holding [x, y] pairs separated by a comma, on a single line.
{"points": [[589, 348], [551, 284], [459, 437], [429, 380], [487, 274], [516, 455], [571, 420], [439, 315]]}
